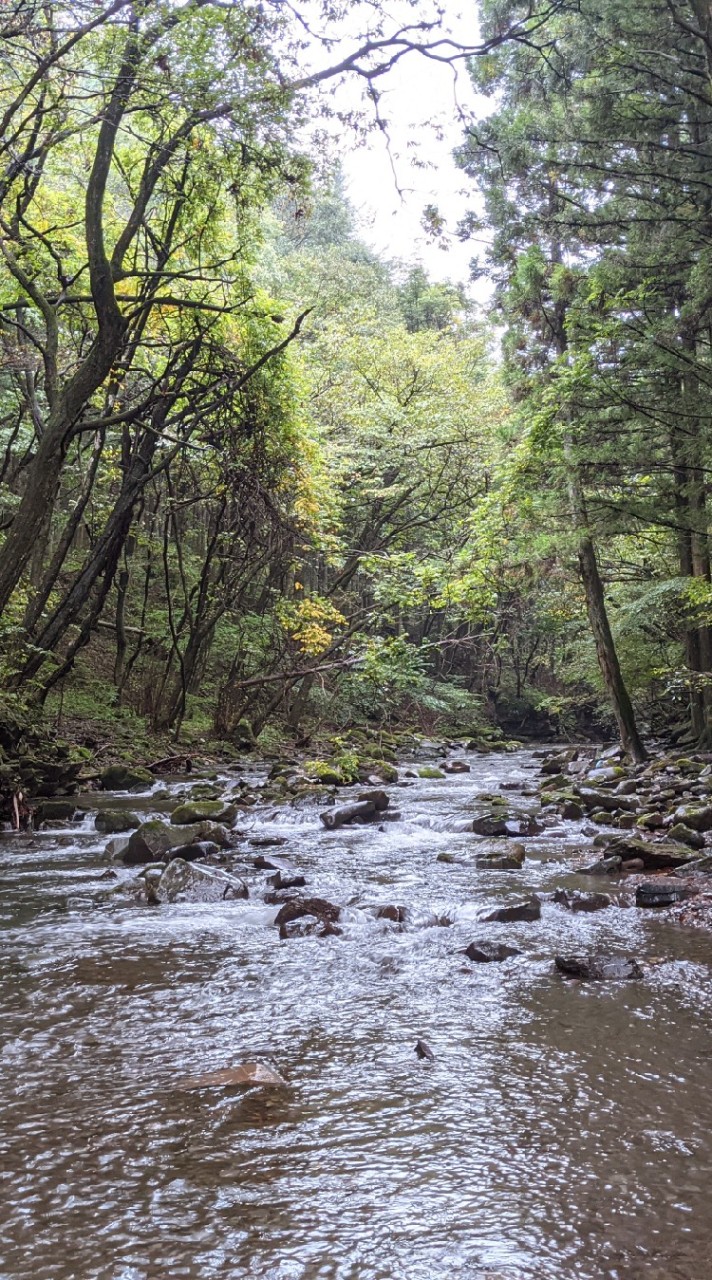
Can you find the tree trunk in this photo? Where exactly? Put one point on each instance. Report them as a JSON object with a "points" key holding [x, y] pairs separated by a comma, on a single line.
{"points": [[606, 651]]}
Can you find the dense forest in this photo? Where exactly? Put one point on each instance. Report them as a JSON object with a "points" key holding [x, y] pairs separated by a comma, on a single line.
{"points": [[257, 480]]}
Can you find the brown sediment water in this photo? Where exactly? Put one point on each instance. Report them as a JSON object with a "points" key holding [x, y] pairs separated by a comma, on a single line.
{"points": [[563, 1131]]}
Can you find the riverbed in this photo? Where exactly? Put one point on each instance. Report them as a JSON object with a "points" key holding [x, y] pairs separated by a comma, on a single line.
{"points": [[563, 1130]]}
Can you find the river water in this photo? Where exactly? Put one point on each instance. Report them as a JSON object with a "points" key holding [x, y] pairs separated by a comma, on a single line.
{"points": [[564, 1129]]}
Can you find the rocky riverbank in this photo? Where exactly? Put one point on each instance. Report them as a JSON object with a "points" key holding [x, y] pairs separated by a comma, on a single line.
{"points": [[644, 829]]}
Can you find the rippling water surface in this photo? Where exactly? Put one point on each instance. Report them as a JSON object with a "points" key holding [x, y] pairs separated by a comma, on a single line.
{"points": [[563, 1131]]}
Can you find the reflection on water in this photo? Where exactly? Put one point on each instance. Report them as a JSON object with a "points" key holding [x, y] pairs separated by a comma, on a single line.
{"points": [[563, 1130]]}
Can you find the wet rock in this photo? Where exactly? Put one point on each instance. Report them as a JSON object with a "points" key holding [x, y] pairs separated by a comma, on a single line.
{"points": [[200, 851], [605, 867], [510, 860], [527, 910], [487, 952], [149, 843], [651, 821], [559, 762], [110, 821], [390, 912], [203, 811], [685, 835], [300, 906], [377, 798], [489, 824], [119, 777], [662, 893], [277, 897], [703, 864], [655, 857], [285, 879], [627, 787], [573, 900], [154, 839], [117, 847], [450, 858], [263, 862], [456, 766], [266, 842], [423, 1051], [572, 811], [596, 800], [631, 866], [699, 819], [54, 811], [190, 882], [308, 926], [626, 821], [598, 968], [247, 1075], [429, 771], [526, 825], [611, 773]]}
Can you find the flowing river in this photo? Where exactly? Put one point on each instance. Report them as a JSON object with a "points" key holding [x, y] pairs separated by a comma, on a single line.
{"points": [[564, 1129]]}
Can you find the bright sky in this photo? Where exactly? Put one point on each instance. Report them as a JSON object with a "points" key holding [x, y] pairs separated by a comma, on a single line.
{"points": [[420, 103]]}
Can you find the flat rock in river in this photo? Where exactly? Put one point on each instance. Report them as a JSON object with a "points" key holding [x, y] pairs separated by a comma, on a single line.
{"points": [[486, 951], [662, 893], [598, 968], [655, 857], [528, 910], [572, 900]]}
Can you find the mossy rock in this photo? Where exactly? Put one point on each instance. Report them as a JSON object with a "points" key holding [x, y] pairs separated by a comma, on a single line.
{"points": [[203, 811], [377, 769], [111, 821], [55, 811], [328, 775], [429, 771], [120, 777]]}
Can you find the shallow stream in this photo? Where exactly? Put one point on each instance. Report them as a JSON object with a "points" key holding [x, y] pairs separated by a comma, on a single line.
{"points": [[564, 1129]]}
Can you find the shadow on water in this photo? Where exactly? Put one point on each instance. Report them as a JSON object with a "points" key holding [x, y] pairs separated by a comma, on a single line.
{"points": [[562, 1131]]}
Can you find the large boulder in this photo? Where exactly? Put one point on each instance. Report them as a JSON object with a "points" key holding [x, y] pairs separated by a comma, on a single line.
{"points": [[154, 840], [593, 799], [120, 777], [149, 843], [655, 857], [191, 882], [111, 821], [699, 818], [685, 835], [54, 811], [203, 811]]}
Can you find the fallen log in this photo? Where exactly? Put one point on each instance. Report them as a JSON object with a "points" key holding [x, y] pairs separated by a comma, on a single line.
{"points": [[359, 811]]}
